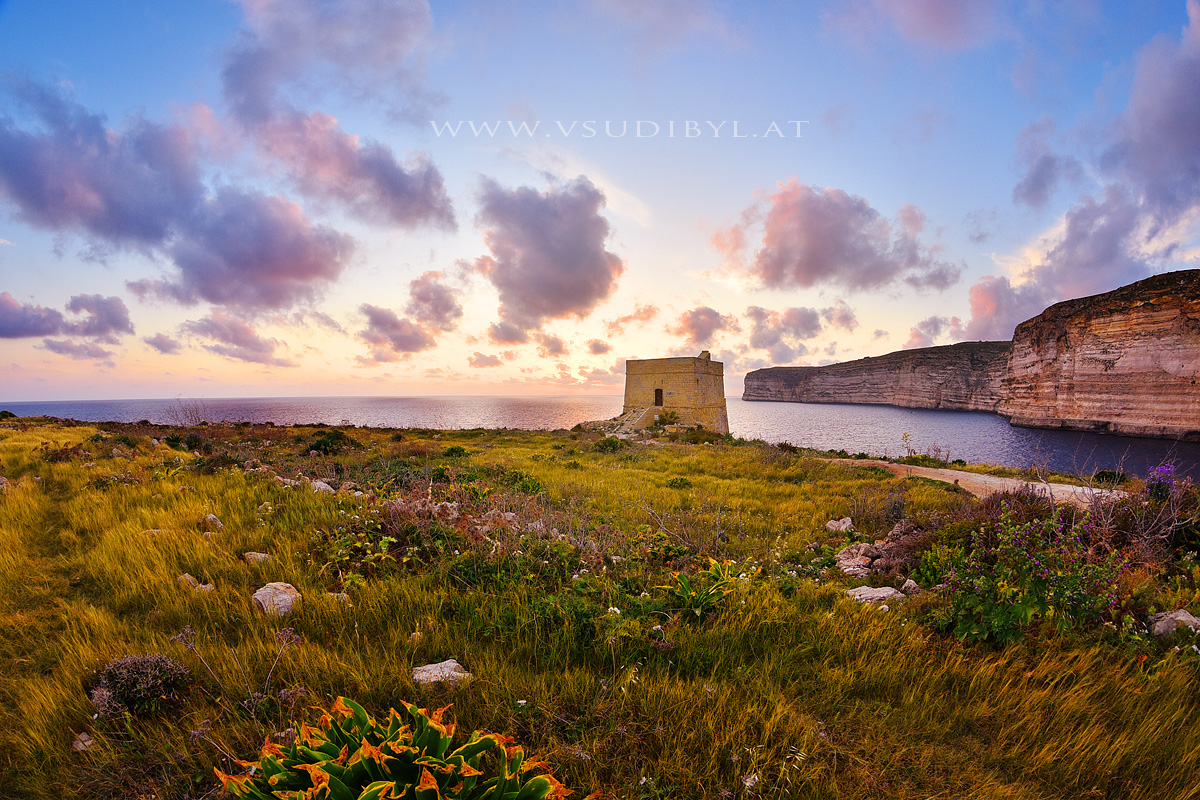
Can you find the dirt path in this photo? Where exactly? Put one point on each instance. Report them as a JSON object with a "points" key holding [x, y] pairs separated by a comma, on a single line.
{"points": [[983, 485]]}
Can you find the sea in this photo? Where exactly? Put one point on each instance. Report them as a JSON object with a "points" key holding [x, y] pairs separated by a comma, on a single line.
{"points": [[976, 437]]}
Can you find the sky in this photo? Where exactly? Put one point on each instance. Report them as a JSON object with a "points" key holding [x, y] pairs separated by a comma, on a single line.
{"points": [[397, 197]]}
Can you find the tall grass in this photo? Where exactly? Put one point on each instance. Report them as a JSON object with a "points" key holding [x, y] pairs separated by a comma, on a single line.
{"points": [[788, 690]]}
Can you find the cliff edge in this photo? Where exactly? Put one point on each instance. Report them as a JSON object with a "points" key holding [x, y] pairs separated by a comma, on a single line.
{"points": [[965, 377], [1125, 361]]}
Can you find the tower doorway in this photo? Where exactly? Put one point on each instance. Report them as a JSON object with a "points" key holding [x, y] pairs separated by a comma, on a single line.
{"points": [[658, 397]]}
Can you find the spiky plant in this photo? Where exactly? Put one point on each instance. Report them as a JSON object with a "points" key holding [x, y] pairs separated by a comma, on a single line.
{"points": [[350, 756]]}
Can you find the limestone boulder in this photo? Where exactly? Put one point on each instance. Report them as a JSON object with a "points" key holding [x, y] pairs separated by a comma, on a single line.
{"points": [[1169, 621], [277, 598], [871, 594], [840, 525], [211, 523], [256, 558], [448, 671]]}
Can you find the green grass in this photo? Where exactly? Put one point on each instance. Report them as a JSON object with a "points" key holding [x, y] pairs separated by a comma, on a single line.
{"points": [[788, 689]]}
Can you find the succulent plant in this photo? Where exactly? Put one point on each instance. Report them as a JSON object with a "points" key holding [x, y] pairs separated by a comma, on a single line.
{"points": [[350, 756]]}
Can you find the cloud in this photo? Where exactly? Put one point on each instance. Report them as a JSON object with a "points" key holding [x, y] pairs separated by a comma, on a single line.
{"points": [[432, 303], [390, 337], [127, 188], [236, 339], [140, 188], [21, 320], [547, 254], [324, 162], [598, 348], [83, 351], [880, 333], [163, 343], [550, 346], [700, 324], [1043, 168], [829, 237], [840, 315], [372, 50], [368, 49], [927, 330], [668, 24], [250, 251], [481, 360], [507, 333], [943, 24], [772, 330], [640, 314], [107, 316]]}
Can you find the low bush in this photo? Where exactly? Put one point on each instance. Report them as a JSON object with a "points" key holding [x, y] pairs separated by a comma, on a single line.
{"points": [[138, 685]]}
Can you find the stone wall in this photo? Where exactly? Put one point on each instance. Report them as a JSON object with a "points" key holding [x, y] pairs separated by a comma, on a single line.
{"points": [[694, 388], [965, 376]]}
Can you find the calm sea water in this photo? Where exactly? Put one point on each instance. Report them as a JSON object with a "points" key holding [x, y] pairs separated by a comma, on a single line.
{"points": [[877, 430]]}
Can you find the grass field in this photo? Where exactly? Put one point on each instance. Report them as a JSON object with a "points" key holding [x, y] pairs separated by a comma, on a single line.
{"points": [[657, 619]]}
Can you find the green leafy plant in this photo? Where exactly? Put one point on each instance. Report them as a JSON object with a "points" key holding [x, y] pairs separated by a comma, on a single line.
{"points": [[334, 440], [455, 451], [679, 483], [702, 595], [350, 756], [1038, 569]]}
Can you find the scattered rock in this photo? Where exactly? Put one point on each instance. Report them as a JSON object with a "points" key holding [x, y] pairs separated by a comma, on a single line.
{"points": [[839, 525], [449, 671], [188, 582], [3, 483], [256, 558], [870, 594], [1168, 621], [279, 599], [82, 742], [321, 487], [339, 597], [211, 523], [910, 588], [855, 560]]}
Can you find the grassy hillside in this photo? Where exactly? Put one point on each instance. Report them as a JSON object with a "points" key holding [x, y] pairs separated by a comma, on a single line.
{"points": [[652, 620]]}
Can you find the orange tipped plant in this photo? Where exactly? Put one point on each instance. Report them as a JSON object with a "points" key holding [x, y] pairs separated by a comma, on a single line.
{"points": [[350, 756]]}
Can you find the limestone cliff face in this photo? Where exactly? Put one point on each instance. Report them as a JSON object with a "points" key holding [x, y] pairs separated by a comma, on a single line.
{"points": [[965, 376], [1126, 361]]}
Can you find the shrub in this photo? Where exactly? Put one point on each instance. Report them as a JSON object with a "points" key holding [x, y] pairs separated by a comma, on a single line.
{"points": [[7, 415], [610, 444], [349, 754], [334, 440], [1039, 569], [138, 684], [679, 483], [455, 451]]}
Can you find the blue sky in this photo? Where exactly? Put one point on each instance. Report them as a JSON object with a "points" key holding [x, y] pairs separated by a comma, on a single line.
{"points": [[252, 198]]}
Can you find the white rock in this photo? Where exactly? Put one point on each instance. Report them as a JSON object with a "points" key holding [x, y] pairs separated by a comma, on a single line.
{"points": [[1167, 621], [211, 523], [449, 671], [82, 742], [256, 558], [870, 594], [321, 487], [839, 525], [279, 599], [910, 587]]}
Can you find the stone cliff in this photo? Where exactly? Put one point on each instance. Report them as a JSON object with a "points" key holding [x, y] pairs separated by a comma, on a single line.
{"points": [[965, 376], [1127, 361]]}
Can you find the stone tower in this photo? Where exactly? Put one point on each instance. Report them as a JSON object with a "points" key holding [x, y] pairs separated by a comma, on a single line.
{"points": [[694, 388]]}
